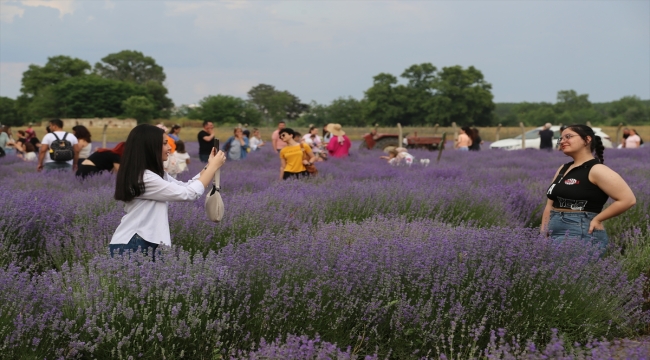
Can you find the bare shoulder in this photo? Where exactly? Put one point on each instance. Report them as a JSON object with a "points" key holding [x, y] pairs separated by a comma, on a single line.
{"points": [[600, 172]]}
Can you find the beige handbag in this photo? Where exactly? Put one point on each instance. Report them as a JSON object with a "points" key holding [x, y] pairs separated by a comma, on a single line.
{"points": [[213, 202]]}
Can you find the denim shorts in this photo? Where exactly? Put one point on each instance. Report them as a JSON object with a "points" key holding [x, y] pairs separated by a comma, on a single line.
{"points": [[576, 225], [136, 243]]}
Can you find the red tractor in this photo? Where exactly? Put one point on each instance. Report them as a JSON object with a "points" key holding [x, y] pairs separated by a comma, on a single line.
{"points": [[373, 140]]}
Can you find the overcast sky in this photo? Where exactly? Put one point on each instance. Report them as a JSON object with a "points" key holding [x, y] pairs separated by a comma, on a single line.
{"points": [[322, 50]]}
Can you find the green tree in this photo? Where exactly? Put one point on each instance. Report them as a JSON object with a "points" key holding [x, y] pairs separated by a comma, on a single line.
{"points": [[569, 100], [158, 93], [463, 96], [8, 113], [57, 69], [140, 108], [225, 109], [92, 96], [129, 65], [276, 105], [383, 105], [347, 111]]}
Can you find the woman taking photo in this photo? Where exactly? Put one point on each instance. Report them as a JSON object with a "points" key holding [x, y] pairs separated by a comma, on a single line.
{"points": [[292, 163], [146, 188], [580, 189]]}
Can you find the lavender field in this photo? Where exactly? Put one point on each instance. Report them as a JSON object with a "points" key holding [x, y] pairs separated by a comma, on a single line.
{"points": [[364, 261]]}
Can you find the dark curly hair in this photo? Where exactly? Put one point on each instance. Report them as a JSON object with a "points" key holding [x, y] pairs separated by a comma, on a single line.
{"points": [[596, 143]]}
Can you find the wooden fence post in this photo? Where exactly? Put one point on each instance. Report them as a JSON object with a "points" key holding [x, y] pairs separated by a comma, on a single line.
{"points": [[523, 135], [453, 126], [104, 136], [435, 130], [400, 137], [618, 133], [497, 134], [441, 146]]}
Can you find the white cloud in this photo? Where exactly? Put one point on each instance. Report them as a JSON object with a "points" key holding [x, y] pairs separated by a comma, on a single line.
{"points": [[8, 12], [108, 4], [64, 6]]}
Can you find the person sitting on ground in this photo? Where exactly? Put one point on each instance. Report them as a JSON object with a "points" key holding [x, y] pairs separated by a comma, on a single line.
{"points": [[236, 147], [84, 144], [29, 154], [101, 160], [292, 162], [20, 143], [392, 157], [463, 142], [546, 138], [314, 141], [177, 162], [339, 145], [255, 141], [399, 156]]}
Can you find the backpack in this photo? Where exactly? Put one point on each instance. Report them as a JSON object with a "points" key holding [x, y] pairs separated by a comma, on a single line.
{"points": [[172, 165], [61, 149]]}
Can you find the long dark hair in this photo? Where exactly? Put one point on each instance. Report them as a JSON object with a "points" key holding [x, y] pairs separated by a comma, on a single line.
{"points": [[142, 151], [81, 132], [596, 144]]}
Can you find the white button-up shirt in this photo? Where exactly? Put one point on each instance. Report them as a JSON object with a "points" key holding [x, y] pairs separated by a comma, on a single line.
{"points": [[147, 216]]}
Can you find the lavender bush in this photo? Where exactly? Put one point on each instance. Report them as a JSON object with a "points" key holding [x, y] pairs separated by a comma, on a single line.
{"points": [[372, 259]]}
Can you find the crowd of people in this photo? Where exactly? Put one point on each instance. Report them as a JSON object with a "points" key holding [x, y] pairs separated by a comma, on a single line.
{"points": [[146, 176]]}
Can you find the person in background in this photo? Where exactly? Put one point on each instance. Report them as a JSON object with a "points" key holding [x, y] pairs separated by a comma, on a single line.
{"points": [[171, 142], [101, 160], [30, 132], [557, 146], [463, 142], [580, 189], [314, 141], [339, 145], [292, 162], [56, 133], [546, 138], [236, 147], [255, 141], [626, 134], [206, 137], [633, 141], [326, 135], [29, 153], [276, 141], [20, 143], [146, 189], [182, 157], [175, 132], [476, 140], [84, 144], [7, 142]]}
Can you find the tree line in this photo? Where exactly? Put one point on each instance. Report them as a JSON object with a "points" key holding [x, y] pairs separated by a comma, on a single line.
{"points": [[130, 84]]}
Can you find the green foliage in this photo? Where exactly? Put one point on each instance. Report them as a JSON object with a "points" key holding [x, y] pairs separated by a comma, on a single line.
{"points": [[8, 113], [158, 93], [56, 70], [225, 109], [276, 105], [129, 65], [139, 107], [431, 97]]}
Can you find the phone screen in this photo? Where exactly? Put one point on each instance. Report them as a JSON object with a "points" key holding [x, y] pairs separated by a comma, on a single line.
{"points": [[216, 144]]}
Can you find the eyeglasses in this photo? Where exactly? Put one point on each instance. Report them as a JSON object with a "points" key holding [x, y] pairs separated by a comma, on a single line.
{"points": [[567, 137]]}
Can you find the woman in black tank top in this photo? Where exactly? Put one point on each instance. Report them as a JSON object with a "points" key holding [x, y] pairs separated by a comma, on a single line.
{"points": [[580, 189]]}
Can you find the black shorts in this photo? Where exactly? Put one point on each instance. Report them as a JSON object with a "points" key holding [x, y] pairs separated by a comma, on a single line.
{"points": [[298, 175]]}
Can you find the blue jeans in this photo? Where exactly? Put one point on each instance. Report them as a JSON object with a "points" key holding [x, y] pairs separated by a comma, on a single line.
{"points": [[576, 225], [133, 245], [204, 157], [56, 166], [463, 148]]}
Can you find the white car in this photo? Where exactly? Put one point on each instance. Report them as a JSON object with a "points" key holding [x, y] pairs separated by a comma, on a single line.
{"points": [[532, 139]]}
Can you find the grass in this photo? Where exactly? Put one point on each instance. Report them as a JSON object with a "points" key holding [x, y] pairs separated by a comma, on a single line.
{"points": [[188, 133]]}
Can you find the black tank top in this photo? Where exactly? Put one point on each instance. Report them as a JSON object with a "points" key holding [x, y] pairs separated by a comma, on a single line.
{"points": [[574, 191]]}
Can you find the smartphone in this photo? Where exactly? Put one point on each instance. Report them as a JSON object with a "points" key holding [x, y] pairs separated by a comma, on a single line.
{"points": [[216, 144]]}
